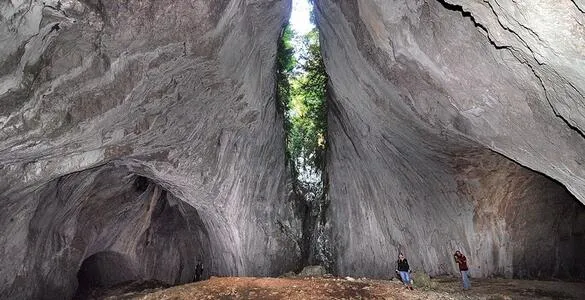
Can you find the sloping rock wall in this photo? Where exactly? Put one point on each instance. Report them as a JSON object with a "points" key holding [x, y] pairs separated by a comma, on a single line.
{"points": [[95, 95], [434, 104], [144, 135]]}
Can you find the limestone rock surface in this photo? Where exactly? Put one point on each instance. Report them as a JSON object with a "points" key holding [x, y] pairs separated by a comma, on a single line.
{"points": [[137, 137], [456, 124]]}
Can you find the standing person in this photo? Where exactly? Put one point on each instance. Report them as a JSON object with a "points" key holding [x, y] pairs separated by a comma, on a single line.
{"points": [[198, 270], [403, 269], [461, 260]]}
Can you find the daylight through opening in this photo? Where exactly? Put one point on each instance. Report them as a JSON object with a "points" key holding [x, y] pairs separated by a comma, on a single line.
{"points": [[302, 94]]}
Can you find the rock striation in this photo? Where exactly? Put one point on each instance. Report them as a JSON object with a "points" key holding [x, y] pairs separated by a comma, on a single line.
{"points": [[137, 137], [456, 124]]}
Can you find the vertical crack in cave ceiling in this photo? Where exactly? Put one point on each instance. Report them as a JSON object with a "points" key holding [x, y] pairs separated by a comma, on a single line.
{"points": [[302, 84]]}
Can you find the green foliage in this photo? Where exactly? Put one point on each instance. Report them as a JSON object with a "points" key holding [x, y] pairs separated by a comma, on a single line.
{"points": [[285, 63], [302, 94]]}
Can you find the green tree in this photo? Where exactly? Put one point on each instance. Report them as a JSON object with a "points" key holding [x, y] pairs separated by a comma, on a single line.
{"points": [[285, 64], [313, 88], [302, 95]]}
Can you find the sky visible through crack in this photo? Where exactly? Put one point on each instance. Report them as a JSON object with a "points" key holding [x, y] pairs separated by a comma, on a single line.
{"points": [[302, 92], [306, 125], [300, 17], [300, 23]]}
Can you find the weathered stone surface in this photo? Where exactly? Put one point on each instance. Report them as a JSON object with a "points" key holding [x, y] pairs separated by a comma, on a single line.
{"points": [[313, 271], [139, 136], [433, 106], [97, 94]]}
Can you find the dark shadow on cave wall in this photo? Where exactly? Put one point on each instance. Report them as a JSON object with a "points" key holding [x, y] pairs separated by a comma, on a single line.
{"points": [[102, 270], [407, 190], [402, 174], [107, 225], [539, 225]]}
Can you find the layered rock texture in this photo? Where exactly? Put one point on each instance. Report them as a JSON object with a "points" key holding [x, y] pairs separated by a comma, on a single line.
{"points": [[137, 137], [456, 125]]}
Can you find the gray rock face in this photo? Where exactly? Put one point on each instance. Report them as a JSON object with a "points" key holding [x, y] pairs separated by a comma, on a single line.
{"points": [[435, 108], [138, 136]]}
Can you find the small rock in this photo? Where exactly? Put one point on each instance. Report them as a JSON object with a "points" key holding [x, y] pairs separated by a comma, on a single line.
{"points": [[288, 274], [424, 280], [313, 271]]}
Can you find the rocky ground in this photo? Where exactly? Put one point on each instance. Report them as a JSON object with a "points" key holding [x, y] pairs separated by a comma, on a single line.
{"points": [[349, 288]]}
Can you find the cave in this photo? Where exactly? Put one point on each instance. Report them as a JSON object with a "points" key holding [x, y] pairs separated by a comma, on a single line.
{"points": [[139, 137], [106, 226], [102, 270]]}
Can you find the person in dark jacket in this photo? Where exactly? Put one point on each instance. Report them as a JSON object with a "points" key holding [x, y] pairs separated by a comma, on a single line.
{"points": [[461, 260], [403, 269], [198, 270]]}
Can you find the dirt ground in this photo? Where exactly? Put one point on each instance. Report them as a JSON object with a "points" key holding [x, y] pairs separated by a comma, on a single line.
{"points": [[340, 288]]}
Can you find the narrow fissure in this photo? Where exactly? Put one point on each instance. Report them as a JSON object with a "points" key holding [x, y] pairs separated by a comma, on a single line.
{"points": [[301, 90]]}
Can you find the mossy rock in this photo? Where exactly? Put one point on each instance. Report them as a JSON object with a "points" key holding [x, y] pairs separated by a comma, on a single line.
{"points": [[316, 271], [424, 281]]}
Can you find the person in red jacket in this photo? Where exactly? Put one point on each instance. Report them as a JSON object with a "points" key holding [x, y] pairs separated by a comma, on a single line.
{"points": [[461, 260]]}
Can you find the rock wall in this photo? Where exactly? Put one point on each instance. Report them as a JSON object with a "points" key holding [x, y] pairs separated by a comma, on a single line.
{"points": [[141, 134], [148, 232], [440, 114]]}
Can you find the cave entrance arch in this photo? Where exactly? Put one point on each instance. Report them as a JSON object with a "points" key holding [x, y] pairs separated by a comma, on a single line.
{"points": [[130, 226], [102, 270]]}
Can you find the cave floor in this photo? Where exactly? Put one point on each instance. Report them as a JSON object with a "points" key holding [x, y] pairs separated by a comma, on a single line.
{"points": [[338, 288]]}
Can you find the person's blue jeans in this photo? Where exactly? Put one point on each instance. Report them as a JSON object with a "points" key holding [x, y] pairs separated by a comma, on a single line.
{"points": [[405, 277], [465, 279]]}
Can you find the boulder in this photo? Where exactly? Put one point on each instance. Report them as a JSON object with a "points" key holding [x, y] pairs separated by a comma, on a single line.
{"points": [[315, 271]]}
